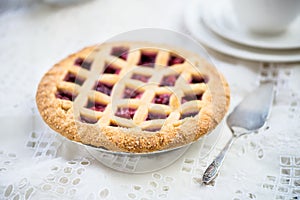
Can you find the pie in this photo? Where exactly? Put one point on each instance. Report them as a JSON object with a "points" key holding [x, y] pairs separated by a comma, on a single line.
{"points": [[133, 97]]}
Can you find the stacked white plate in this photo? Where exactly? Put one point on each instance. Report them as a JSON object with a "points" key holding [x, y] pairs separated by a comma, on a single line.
{"points": [[216, 27]]}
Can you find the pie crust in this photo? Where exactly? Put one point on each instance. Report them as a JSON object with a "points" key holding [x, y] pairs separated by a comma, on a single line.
{"points": [[133, 97]]}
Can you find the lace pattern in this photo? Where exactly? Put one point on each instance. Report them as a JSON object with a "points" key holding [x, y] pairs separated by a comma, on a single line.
{"points": [[36, 163]]}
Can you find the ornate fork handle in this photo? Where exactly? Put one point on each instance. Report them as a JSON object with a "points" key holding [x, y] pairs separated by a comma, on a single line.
{"points": [[213, 169]]}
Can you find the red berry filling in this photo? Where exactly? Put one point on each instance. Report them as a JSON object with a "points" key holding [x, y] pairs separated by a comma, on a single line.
{"points": [[173, 60], [130, 93], [65, 95], [199, 79], [140, 77], [109, 69], [104, 88], [152, 116], [169, 80], [78, 61], [188, 114], [127, 113], [83, 63], [191, 98], [87, 120], [162, 99], [73, 79], [121, 52], [147, 59], [96, 106]]}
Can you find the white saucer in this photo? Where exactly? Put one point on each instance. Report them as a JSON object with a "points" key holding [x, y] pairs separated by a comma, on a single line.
{"points": [[197, 28], [223, 22]]}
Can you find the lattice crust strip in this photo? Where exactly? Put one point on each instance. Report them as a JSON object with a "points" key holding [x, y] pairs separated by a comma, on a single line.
{"points": [[131, 86]]}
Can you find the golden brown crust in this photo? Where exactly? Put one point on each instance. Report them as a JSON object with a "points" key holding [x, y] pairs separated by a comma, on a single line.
{"points": [[63, 116]]}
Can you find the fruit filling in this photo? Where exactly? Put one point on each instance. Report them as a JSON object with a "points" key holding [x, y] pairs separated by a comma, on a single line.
{"points": [[199, 79], [162, 99], [121, 52], [104, 88], [109, 69], [65, 95], [83, 63], [147, 59], [70, 77], [96, 106], [173, 60], [152, 116], [131, 93], [169, 80], [127, 113], [140, 77], [191, 98], [87, 120], [188, 114]]}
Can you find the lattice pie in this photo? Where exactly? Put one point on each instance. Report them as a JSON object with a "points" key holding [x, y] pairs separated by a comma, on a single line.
{"points": [[133, 97]]}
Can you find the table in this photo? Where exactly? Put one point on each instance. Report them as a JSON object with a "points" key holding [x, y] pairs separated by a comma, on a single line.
{"points": [[36, 163]]}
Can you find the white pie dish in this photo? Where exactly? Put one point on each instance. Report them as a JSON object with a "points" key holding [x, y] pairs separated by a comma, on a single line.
{"points": [[138, 163], [106, 138]]}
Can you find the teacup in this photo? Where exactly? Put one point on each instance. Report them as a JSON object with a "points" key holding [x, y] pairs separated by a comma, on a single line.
{"points": [[266, 16]]}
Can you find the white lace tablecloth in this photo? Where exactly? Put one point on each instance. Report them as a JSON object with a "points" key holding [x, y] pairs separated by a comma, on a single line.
{"points": [[36, 163]]}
